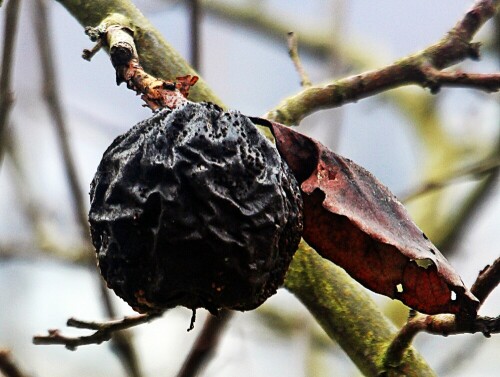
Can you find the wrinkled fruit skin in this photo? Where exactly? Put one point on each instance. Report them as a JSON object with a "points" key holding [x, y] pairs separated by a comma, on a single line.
{"points": [[194, 207]]}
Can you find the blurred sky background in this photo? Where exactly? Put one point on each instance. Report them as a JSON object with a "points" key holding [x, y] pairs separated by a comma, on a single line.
{"points": [[250, 72]]}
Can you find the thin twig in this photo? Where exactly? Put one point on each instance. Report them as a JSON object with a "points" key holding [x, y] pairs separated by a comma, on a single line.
{"points": [[6, 95], [440, 324], [488, 82], [206, 344], [448, 324], [476, 171], [418, 69], [7, 365], [293, 52], [103, 331], [89, 54], [122, 342]]}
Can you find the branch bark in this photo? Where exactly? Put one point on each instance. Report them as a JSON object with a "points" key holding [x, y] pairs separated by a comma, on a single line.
{"points": [[422, 69], [347, 314]]}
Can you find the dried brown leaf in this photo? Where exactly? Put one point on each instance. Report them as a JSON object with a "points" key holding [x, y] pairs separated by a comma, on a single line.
{"points": [[353, 220]]}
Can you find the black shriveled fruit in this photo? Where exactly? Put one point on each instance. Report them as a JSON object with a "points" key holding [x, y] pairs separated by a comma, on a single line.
{"points": [[194, 207]]}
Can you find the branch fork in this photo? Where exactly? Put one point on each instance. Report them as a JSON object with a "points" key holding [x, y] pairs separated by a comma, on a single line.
{"points": [[103, 331], [448, 324]]}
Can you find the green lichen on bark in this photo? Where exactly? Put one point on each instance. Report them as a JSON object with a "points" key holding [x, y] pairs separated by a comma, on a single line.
{"points": [[347, 314]]}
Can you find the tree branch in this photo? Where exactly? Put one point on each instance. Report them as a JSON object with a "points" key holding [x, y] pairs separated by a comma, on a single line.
{"points": [[293, 52], [448, 324], [434, 79], [440, 324], [103, 331], [347, 314], [420, 69], [487, 281]]}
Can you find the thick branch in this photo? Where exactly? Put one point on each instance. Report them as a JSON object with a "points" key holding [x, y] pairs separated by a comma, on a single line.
{"points": [[421, 69], [104, 331], [347, 314]]}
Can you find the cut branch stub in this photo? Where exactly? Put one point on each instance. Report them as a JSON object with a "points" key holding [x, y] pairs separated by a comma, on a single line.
{"points": [[353, 220]]}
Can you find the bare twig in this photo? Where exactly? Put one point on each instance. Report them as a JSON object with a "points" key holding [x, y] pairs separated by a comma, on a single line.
{"points": [[6, 95], [448, 324], [440, 324], [419, 69], [89, 54], [476, 171], [104, 331], [7, 365], [206, 344], [293, 51], [488, 82]]}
